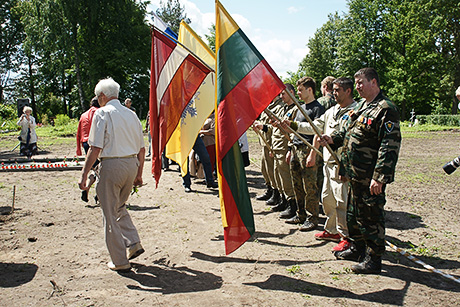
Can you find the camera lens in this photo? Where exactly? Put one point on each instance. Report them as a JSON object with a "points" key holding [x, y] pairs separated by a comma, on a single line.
{"points": [[451, 166]]}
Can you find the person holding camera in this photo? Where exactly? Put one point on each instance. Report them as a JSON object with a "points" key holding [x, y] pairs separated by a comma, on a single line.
{"points": [[28, 137]]}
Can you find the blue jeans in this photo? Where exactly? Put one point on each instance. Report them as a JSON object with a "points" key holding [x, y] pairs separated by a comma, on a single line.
{"points": [[202, 153]]}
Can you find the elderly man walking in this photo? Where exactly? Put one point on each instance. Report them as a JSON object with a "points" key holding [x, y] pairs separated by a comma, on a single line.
{"points": [[116, 138]]}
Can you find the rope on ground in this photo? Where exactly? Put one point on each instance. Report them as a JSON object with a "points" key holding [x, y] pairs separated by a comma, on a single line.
{"points": [[426, 266]]}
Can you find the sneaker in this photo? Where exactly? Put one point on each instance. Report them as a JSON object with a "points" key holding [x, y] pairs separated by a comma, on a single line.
{"points": [[188, 190], [343, 245], [324, 235]]}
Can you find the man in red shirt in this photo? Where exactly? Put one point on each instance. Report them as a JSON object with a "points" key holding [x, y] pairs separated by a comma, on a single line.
{"points": [[84, 126]]}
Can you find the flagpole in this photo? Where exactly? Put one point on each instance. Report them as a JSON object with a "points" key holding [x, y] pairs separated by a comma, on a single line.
{"points": [[271, 114], [185, 47], [318, 133], [264, 140]]}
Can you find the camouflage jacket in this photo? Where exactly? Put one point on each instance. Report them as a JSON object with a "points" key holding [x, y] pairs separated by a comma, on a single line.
{"points": [[327, 101], [371, 141]]}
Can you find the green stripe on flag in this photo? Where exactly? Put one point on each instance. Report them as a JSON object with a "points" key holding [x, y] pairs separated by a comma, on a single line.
{"points": [[236, 58], [235, 175]]}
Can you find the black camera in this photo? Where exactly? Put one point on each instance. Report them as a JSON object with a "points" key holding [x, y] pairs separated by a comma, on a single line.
{"points": [[451, 166]]}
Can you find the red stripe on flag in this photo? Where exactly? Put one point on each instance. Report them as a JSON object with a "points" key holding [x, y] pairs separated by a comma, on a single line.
{"points": [[238, 110], [180, 91], [236, 233], [181, 88]]}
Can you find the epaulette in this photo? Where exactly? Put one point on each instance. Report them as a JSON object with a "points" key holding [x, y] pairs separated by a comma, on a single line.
{"points": [[386, 103]]}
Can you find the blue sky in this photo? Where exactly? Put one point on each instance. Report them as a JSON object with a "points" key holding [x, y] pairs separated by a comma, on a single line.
{"points": [[280, 30]]}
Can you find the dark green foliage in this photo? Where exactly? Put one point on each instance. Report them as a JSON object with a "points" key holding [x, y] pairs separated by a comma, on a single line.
{"points": [[441, 120], [71, 44], [414, 45]]}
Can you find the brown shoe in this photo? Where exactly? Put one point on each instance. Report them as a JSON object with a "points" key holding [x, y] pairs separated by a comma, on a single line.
{"points": [[135, 250]]}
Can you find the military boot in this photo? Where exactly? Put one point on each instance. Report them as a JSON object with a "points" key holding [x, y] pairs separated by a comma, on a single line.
{"points": [[281, 205], [372, 264], [266, 196], [354, 253], [290, 211], [274, 199], [299, 218]]}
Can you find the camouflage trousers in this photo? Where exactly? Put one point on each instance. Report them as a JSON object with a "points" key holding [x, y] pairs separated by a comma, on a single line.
{"points": [[366, 218], [304, 181]]}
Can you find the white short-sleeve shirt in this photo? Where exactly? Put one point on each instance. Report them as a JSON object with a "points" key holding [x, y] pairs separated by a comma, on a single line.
{"points": [[117, 130]]}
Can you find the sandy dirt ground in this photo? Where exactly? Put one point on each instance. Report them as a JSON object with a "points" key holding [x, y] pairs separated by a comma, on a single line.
{"points": [[52, 249]]}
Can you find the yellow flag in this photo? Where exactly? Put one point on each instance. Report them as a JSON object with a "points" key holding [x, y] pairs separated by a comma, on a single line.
{"points": [[199, 108]]}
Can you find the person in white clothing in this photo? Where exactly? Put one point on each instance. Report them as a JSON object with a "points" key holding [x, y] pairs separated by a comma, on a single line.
{"points": [[116, 138], [28, 136]]}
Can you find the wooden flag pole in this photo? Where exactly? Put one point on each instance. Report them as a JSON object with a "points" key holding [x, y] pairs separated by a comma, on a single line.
{"points": [[271, 114], [318, 133], [264, 140]]}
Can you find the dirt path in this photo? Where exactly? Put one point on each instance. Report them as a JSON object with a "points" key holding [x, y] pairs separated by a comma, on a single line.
{"points": [[52, 250]]}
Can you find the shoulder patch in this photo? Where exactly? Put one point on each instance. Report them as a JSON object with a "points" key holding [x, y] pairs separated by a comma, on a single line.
{"points": [[389, 125]]}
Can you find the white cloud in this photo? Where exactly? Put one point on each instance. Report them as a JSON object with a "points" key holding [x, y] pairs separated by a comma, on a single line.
{"points": [[293, 9], [282, 54]]}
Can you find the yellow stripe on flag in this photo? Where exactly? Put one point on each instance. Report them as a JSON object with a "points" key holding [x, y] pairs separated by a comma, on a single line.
{"points": [[183, 138], [225, 25]]}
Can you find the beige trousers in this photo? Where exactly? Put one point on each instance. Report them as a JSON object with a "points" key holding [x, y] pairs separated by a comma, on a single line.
{"points": [[283, 174], [335, 196], [113, 190]]}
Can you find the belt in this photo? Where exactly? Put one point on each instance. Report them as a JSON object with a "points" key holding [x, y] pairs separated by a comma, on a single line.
{"points": [[125, 157]]}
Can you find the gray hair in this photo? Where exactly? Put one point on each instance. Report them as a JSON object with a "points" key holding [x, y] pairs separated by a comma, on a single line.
{"points": [[108, 87]]}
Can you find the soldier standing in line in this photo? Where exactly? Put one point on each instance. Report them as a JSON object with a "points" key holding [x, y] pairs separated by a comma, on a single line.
{"points": [[280, 143], [271, 195], [334, 190], [328, 99], [303, 165], [371, 143]]}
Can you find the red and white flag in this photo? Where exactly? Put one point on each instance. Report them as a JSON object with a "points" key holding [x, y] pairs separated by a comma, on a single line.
{"points": [[175, 76]]}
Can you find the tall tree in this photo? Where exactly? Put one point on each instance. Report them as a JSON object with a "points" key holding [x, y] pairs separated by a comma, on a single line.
{"points": [[11, 37], [77, 42], [211, 38], [172, 13], [321, 61]]}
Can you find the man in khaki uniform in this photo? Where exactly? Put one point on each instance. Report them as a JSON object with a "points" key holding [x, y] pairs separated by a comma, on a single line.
{"points": [[271, 195], [280, 145]]}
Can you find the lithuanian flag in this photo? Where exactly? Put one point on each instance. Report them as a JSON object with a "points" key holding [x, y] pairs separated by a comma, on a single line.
{"points": [[246, 85]]}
